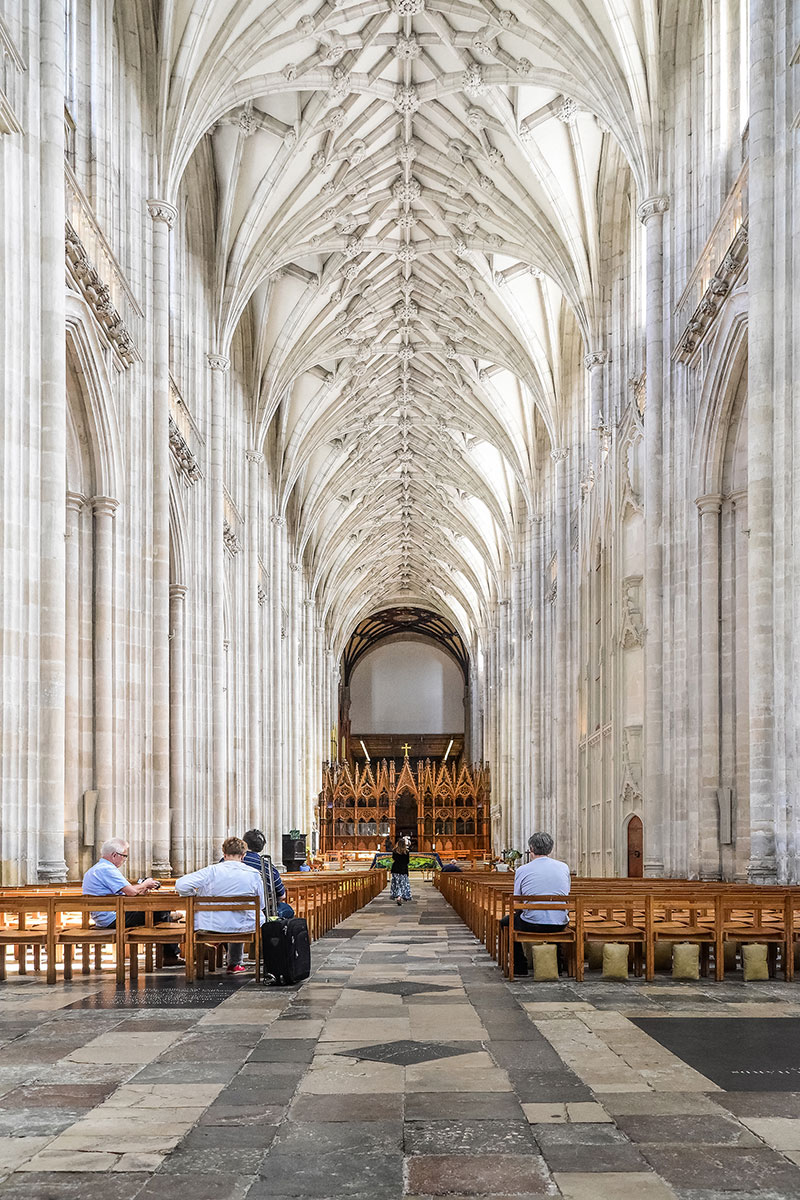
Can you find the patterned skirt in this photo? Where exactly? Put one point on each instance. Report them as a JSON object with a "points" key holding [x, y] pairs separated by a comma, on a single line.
{"points": [[401, 888]]}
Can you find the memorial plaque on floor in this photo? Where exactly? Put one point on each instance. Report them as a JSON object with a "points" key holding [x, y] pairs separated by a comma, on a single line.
{"points": [[739, 1054], [156, 992]]}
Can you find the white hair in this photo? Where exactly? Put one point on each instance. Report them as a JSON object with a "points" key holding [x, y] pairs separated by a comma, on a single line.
{"points": [[113, 846]]}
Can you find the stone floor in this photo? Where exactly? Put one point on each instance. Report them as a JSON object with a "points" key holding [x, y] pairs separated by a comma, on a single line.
{"points": [[406, 1066]]}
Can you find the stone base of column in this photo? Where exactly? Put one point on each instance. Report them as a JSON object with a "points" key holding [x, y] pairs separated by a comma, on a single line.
{"points": [[161, 870], [653, 868], [710, 876], [52, 871], [762, 872]]}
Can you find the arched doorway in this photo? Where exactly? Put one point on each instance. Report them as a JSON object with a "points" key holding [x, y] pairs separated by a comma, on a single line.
{"points": [[635, 848], [406, 818]]}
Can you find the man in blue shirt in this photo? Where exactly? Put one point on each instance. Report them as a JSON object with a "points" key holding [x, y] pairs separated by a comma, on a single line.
{"points": [[105, 878], [255, 842]]}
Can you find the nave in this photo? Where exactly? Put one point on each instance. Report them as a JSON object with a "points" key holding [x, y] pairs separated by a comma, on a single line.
{"points": [[406, 1066]]}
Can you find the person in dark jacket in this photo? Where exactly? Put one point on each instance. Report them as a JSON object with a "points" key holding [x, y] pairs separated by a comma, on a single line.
{"points": [[401, 889], [255, 841]]}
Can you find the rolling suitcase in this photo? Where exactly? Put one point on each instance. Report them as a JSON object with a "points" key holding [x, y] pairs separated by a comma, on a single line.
{"points": [[286, 946]]}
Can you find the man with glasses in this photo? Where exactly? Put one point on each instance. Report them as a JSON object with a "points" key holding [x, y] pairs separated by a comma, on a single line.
{"points": [[105, 878]]}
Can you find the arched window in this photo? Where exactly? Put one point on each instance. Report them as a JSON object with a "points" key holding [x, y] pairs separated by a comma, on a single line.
{"points": [[439, 827], [459, 824], [448, 825], [428, 827], [469, 825]]}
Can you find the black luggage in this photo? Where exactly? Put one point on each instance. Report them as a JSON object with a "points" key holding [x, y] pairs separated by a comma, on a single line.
{"points": [[286, 946], [286, 950]]}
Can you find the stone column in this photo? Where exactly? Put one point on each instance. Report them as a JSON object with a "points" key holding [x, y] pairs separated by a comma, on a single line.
{"points": [[219, 366], [276, 790], [517, 781], [536, 807], [177, 726], [651, 213], [254, 667], [52, 445], [104, 508], [762, 867], [562, 832], [710, 861], [163, 216], [73, 816]]}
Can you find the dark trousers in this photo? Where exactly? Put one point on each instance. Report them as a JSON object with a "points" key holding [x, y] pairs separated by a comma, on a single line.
{"points": [[520, 961], [132, 919]]}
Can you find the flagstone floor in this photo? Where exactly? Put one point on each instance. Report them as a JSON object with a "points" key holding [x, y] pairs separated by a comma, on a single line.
{"points": [[406, 1066]]}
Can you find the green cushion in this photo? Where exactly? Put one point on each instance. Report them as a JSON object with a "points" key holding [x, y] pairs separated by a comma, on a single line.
{"points": [[615, 960], [685, 961], [663, 955], [545, 962], [754, 961], [594, 955]]}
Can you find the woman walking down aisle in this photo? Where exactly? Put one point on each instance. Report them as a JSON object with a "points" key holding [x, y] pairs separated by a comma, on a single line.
{"points": [[401, 888]]}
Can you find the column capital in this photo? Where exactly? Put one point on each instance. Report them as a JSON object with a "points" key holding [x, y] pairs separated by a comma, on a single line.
{"points": [[162, 210], [279, 521], [709, 504], [177, 591], [218, 362], [595, 358], [104, 506], [653, 206], [254, 456], [75, 501], [559, 453]]}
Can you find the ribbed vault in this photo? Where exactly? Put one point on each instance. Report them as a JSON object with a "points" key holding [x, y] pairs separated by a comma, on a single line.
{"points": [[408, 199]]}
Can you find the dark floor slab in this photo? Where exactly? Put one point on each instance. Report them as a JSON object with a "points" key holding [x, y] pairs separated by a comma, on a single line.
{"points": [[740, 1054], [358, 1107], [581, 1157], [758, 1104], [533, 1053], [294, 1050], [68, 1185], [584, 1134], [373, 1137], [476, 1174], [687, 1130], [158, 991], [229, 1138], [186, 1072], [403, 987], [405, 1053], [195, 1185], [727, 1169], [483, 1106], [36, 1122], [216, 1160], [546, 1087], [225, 1114], [469, 1137], [72, 1096], [342, 1172]]}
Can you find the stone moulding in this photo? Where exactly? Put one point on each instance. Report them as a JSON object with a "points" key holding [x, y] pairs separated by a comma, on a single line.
{"points": [[11, 65], [185, 460], [98, 295], [717, 290]]}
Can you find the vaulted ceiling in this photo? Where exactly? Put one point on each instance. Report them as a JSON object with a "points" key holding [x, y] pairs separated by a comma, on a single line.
{"points": [[408, 199]]}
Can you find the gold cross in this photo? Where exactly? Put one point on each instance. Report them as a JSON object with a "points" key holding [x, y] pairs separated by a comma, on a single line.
{"points": [[406, 747]]}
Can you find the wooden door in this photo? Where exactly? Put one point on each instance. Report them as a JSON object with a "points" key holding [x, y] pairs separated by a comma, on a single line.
{"points": [[635, 848]]}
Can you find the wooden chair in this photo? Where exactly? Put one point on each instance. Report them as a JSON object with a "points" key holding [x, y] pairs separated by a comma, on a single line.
{"points": [[677, 920], [755, 915], [154, 937], [68, 933], [26, 921], [202, 940], [565, 938], [604, 918]]}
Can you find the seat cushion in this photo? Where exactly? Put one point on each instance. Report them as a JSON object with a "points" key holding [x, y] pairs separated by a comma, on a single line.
{"points": [[754, 961], [685, 960], [545, 962], [615, 960]]}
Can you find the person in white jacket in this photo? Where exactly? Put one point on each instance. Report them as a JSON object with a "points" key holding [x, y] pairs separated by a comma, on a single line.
{"points": [[231, 877]]}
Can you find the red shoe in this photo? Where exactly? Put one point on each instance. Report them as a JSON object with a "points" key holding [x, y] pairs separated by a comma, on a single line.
{"points": [[237, 970]]}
